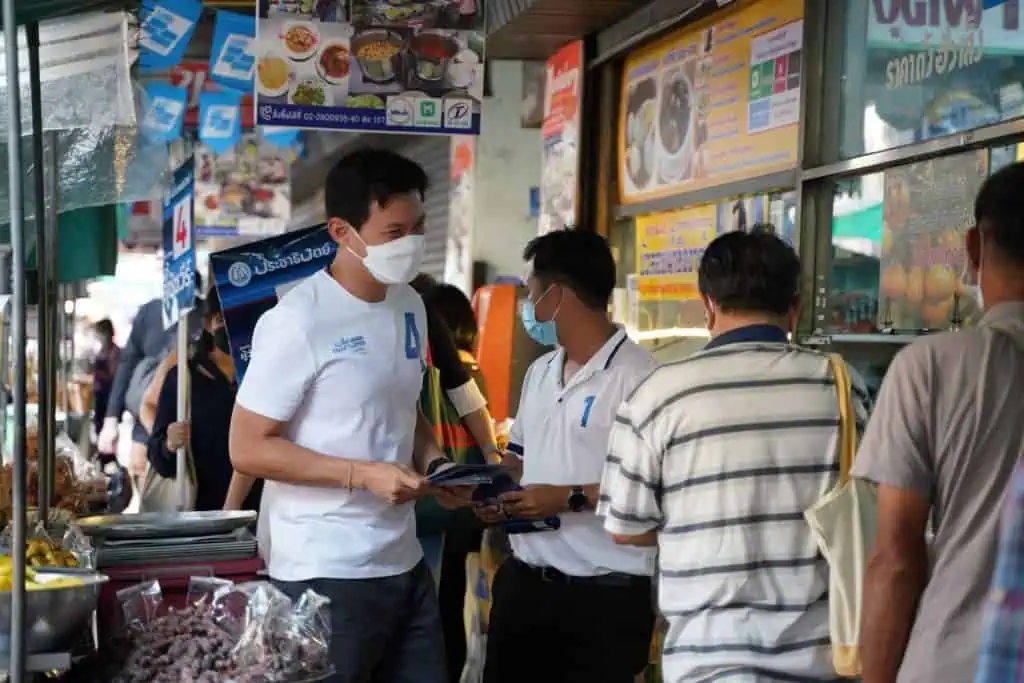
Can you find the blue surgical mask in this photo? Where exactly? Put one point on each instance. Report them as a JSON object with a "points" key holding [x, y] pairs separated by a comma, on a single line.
{"points": [[544, 332]]}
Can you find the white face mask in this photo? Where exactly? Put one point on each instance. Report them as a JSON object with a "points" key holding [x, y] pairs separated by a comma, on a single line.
{"points": [[396, 262]]}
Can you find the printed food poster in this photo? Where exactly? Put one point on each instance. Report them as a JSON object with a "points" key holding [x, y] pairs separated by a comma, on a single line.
{"points": [[389, 66], [669, 247], [563, 95], [707, 106], [243, 191], [925, 278]]}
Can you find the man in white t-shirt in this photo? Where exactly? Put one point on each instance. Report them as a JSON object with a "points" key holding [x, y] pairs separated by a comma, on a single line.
{"points": [[570, 604], [328, 415]]}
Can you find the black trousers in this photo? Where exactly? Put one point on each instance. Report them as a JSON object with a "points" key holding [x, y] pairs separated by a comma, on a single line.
{"points": [[384, 630], [462, 538], [548, 627]]}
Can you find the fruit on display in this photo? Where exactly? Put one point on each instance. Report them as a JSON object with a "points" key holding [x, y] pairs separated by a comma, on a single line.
{"points": [[31, 579], [42, 552]]}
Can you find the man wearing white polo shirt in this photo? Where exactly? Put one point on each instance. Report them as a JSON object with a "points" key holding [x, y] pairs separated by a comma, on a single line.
{"points": [[327, 414], [569, 605]]}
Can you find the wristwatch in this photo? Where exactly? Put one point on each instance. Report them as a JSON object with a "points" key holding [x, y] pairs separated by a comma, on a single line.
{"points": [[577, 499]]}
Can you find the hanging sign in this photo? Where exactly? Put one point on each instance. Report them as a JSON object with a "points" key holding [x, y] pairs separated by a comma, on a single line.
{"points": [[563, 95], [179, 247], [231, 59], [163, 112], [220, 119], [244, 190], [713, 104], [458, 261], [166, 28], [669, 247], [369, 65], [250, 279]]}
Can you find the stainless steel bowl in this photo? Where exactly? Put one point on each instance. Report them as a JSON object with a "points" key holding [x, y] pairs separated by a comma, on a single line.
{"points": [[433, 68], [379, 70], [56, 618]]}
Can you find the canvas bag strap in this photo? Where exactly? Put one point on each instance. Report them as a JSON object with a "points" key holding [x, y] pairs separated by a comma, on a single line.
{"points": [[847, 418]]}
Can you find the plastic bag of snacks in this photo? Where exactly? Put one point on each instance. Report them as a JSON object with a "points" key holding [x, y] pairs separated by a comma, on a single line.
{"points": [[42, 549], [246, 633]]}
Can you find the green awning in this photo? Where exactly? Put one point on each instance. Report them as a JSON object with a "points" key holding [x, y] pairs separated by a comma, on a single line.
{"points": [[87, 245], [865, 224], [28, 11]]}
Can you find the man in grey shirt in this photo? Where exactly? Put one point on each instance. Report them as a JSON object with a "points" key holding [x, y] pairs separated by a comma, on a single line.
{"points": [[942, 443]]}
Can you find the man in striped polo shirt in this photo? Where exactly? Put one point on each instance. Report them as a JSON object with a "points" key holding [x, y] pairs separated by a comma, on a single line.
{"points": [[715, 458]]}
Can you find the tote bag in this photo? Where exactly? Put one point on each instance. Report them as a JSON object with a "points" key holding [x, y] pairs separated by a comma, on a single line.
{"points": [[843, 523], [160, 494]]}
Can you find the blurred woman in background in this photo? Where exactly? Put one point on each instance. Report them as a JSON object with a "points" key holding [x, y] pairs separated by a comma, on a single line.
{"points": [[212, 388], [104, 367]]}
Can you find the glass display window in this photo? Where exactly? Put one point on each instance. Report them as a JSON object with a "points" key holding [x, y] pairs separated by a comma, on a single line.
{"points": [[898, 260], [916, 70]]}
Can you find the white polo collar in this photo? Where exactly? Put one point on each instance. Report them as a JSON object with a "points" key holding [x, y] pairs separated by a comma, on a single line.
{"points": [[600, 361]]}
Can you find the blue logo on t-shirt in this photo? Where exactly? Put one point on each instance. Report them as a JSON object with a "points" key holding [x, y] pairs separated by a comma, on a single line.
{"points": [[356, 345], [412, 337], [588, 403]]}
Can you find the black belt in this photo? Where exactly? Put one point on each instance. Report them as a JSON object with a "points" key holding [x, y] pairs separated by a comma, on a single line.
{"points": [[552, 575]]}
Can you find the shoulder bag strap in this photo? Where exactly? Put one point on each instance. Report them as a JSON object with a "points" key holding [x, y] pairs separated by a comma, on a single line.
{"points": [[847, 418]]}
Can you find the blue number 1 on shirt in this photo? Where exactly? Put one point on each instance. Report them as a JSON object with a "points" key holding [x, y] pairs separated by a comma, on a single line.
{"points": [[412, 337], [588, 403]]}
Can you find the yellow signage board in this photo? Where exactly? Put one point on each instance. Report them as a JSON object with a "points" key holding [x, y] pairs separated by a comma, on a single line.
{"points": [[669, 247], [714, 103]]}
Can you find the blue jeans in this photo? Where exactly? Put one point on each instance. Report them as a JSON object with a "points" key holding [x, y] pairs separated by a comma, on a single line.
{"points": [[385, 630]]}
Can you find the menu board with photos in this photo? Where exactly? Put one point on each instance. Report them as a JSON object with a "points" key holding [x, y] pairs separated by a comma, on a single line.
{"points": [[372, 65], [925, 276], [713, 104]]}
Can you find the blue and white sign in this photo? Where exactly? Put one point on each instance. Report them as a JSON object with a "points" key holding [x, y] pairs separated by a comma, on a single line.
{"points": [[250, 278], [163, 112], [232, 63], [166, 29], [416, 69], [179, 246], [220, 119]]}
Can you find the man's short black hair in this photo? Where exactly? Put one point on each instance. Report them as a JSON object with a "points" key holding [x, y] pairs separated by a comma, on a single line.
{"points": [[999, 211], [454, 307], [750, 272], [361, 178], [105, 328], [579, 259]]}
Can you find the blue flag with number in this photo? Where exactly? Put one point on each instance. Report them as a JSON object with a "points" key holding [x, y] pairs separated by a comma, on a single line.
{"points": [[166, 27], [220, 119], [232, 63], [179, 245], [250, 278]]}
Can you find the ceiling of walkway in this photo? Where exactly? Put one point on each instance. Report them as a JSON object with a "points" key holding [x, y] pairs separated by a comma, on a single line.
{"points": [[535, 29]]}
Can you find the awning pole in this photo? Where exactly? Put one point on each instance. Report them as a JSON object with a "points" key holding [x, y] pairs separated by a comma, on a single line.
{"points": [[16, 667], [43, 329], [48, 306]]}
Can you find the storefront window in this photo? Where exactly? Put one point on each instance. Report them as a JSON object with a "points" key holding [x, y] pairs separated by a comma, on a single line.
{"points": [[898, 256], [661, 271], [919, 69]]}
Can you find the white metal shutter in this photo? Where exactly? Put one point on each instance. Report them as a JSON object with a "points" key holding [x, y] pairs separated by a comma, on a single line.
{"points": [[432, 153]]}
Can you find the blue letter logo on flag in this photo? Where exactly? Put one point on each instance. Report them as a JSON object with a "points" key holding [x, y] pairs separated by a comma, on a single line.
{"points": [[220, 120], [164, 112], [232, 63], [167, 27]]}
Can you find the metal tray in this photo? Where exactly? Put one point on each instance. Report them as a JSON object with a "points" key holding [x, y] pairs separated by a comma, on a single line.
{"points": [[165, 524]]}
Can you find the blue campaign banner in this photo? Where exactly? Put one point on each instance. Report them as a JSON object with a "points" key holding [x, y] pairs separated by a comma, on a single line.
{"points": [[163, 112], [220, 119], [250, 279], [231, 60], [179, 245]]}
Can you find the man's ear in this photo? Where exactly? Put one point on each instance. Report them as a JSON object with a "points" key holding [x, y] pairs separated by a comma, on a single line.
{"points": [[337, 229]]}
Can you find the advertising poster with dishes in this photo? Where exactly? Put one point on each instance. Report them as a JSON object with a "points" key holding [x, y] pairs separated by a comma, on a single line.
{"points": [[388, 66], [669, 247], [925, 277], [458, 260], [243, 191], [563, 94], [712, 105]]}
